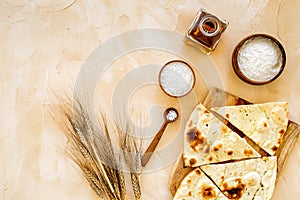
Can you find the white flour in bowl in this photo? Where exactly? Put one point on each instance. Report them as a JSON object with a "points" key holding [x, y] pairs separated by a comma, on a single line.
{"points": [[259, 59]]}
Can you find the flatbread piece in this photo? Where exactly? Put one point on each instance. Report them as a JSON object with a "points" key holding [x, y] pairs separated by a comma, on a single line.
{"points": [[247, 180], [264, 123], [208, 140], [197, 186]]}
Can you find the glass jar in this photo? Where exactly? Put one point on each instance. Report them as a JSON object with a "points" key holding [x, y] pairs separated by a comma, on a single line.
{"points": [[205, 31]]}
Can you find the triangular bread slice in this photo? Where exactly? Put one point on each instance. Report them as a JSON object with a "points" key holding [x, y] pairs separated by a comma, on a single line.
{"points": [[247, 179], [196, 186], [208, 140], [264, 123]]}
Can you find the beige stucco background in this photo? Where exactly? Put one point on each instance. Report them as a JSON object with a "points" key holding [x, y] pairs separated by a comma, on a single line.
{"points": [[44, 43]]}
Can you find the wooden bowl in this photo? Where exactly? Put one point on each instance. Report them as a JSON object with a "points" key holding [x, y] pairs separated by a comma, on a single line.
{"points": [[236, 66], [193, 75]]}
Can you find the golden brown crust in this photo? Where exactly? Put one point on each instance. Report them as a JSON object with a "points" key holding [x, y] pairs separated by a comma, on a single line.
{"points": [[197, 142], [274, 148], [192, 161], [208, 192], [234, 192], [198, 172], [218, 147], [248, 152], [281, 131], [230, 152]]}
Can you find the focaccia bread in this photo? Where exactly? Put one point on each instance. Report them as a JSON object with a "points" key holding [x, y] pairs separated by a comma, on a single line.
{"points": [[196, 186], [208, 140], [246, 180], [264, 123]]}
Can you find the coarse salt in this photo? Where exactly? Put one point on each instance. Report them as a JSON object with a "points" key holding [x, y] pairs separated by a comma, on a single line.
{"points": [[260, 59], [176, 78], [172, 115]]}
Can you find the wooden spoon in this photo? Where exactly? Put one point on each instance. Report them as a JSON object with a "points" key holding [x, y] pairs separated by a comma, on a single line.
{"points": [[170, 115]]}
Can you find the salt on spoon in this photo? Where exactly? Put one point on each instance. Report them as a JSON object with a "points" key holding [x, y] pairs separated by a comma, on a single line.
{"points": [[170, 115]]}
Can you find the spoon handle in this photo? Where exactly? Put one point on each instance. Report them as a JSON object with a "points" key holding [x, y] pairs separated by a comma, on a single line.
{"points": [[148, 153]]}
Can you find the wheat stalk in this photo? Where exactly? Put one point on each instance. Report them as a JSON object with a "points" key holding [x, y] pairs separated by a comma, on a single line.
{"points": [[90, 147], [131, 148]]}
